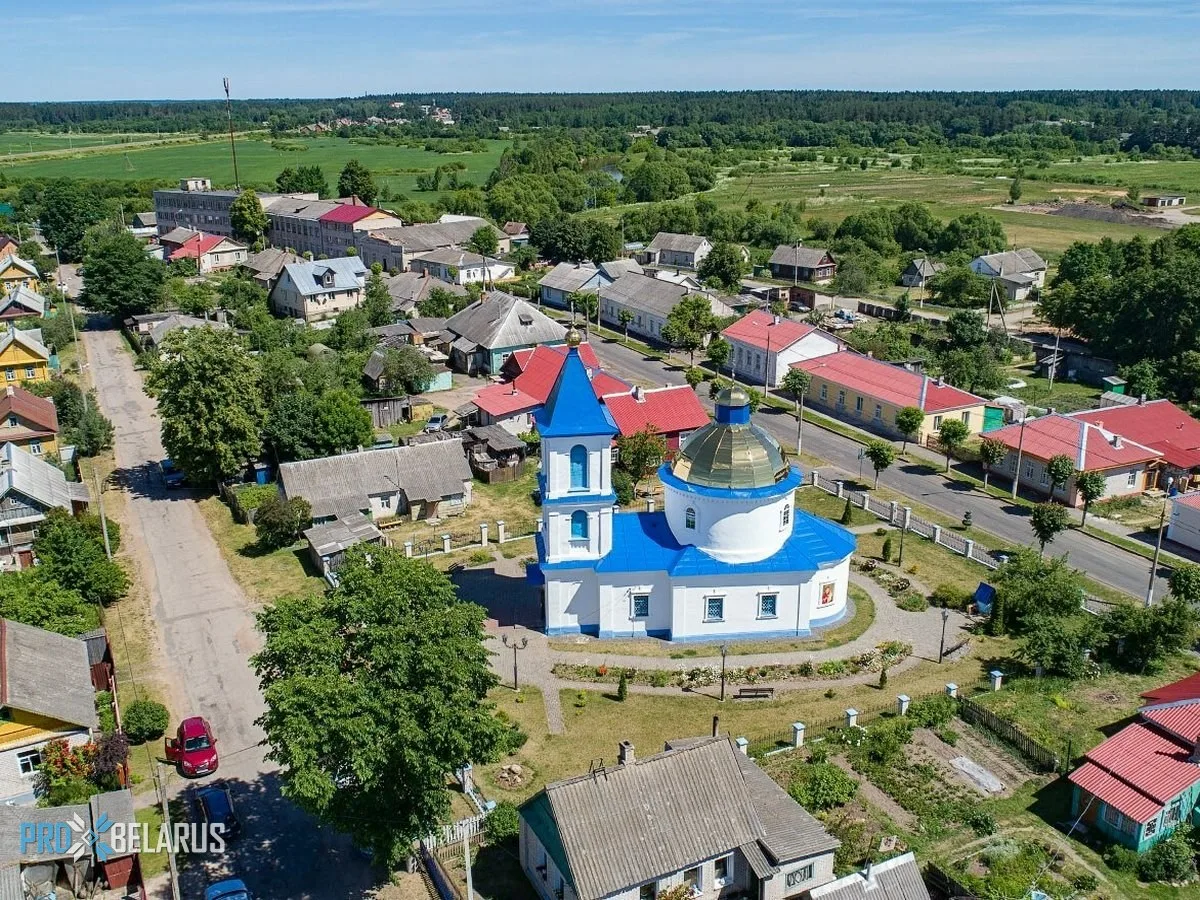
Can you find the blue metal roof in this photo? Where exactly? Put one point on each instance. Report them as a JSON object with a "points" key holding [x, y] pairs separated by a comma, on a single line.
{"points": [[572, 409]]}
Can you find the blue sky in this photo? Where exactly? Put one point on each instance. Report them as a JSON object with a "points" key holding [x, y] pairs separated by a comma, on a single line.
{"points": [[110, 49]]}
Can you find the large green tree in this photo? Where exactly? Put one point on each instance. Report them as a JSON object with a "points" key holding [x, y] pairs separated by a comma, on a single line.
{"points": [[119, 278], [209, 401], [342, 423], [72, 553], [291, 426], [67, 211], [247, 218], [407, 368], [723, 267], [356, 181], [689, 324], [483, 241], [973, 234], [302, 180], [375, 692], [377, 304], [1047, 520], [34, 597]]}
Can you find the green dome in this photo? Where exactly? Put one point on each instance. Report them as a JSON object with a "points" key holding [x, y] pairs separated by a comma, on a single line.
{"points": [[730, 452]]}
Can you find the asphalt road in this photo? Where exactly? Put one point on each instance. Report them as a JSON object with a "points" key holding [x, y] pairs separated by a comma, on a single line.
{"points": [[206, 632], [1103, 562]]}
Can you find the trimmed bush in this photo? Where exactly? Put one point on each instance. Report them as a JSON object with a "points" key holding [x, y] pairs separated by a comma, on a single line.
{"points": [[502, 824], [950, 596], [821, 786], [145, 720], [1172, 860]]}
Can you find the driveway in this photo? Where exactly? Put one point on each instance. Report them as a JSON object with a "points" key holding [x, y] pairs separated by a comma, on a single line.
{"points": [[207, 634]]}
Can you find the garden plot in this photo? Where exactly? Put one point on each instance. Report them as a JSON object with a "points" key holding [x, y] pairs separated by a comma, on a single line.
{"points": [[973, 761]]}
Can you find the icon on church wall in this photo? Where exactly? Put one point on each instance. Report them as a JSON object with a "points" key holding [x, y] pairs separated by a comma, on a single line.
{"points": [[826, 594]]}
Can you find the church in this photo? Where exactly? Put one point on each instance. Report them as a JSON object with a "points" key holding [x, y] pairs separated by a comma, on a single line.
{"points": [[729, 555]]}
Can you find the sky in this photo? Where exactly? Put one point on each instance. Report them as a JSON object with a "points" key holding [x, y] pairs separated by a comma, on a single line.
{"points": [[179, 49]]}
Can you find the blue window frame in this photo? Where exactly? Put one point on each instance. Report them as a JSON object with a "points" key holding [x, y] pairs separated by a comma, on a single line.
{"points": [[714, 609], [579, 525], [641, 606], [579, 467], [689, 518]]}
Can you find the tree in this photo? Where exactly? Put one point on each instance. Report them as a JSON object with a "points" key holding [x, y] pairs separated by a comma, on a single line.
{"points": [[278, 522], [291, 426], [302, 180], [1047, 520], [718, 352], [586, 303], [973, 234], [1091, 487], [723, 266], [965, 330], [374, 692], [959, 286], [484, 241], [1057, 643], [209, 401], [377, 304], [356, 181], [342, 424], [503, 823], [694, 376], [991, 453], [625, 316], [951, 436], [247, 218], [909, 420], [119, 279], [67, 397], [1059, 470], [1143, 377], [797, 382], [1030, 586], [1014, 190], [689, 324], [93, 434], [407, 368], [33, 597], [440, 303], [73, 554], [640, 453], [1185, 582], [882, 455], [67, 211]]}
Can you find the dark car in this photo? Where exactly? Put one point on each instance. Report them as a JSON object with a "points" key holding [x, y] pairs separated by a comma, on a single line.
{"points": [[233, 889], [172, 475], [216, 808]]}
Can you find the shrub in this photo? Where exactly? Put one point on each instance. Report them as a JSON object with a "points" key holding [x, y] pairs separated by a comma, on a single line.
{"points": [[1171, 860], [948, 736], [932, 712], [886, 739], [883, 678], [502, 824], [145, 720], [950, 596], [660, 678], [278, 522], [912, 601], [980, 821], [1120, 859], [818, 753], [1086, 883], [806, 669], [480, 558], [822, 786], [622, 486], [832, 668], [112, 750], [847, 513], [880, 531], [623, 686], [887, 549], [104, 711]]}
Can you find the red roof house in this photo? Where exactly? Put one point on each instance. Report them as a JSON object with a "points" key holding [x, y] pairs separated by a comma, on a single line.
{"points": [[347, 214], [212, 252], [674, 412], [764, 346], [1159, 425]]}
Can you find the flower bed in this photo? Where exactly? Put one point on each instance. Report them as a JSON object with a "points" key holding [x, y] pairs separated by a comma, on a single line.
{"points": [[883, 655]]}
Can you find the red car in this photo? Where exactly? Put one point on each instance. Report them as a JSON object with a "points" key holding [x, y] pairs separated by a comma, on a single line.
{"points": [[193, 749]]}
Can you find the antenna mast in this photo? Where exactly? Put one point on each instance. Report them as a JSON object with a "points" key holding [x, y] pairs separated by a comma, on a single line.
{"points": [[232, 149]]}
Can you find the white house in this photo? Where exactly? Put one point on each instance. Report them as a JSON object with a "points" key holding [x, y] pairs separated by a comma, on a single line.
{"points": [[1018, 271], [1184, 527], [649, 300], [319, 290], [763, 346], [462, 267], [685, 250], [728, 556]]}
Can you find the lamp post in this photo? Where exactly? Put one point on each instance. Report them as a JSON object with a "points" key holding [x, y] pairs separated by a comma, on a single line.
{"points": [[942, 645], [1162, 521], [514, 646], [724, 650]]}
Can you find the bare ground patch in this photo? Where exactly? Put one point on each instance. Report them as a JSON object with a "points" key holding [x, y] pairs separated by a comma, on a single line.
{"points": [[1011, 773], [877, 798]]}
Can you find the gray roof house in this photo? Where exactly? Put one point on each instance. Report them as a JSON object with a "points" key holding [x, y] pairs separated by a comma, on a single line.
{"points": [[686, 250], [487, 332], [421, 481], [29, 488], [791, 262], [409, 288], [1018, 271], [919, 271], [266, 266], [898, 878], [394, 248], [700, 813], [22, 301], [320, 289], [456, 266], [650, 300], [565, 279], [328, 543]]}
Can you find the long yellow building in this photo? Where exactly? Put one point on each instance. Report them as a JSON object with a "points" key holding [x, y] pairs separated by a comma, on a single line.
{"points": [[24, 359]]}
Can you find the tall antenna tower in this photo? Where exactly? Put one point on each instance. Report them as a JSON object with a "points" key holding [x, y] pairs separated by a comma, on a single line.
{"points": [[237, 183]]}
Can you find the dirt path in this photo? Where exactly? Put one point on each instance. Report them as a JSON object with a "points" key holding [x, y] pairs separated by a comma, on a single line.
{"points": [[877, 798]]}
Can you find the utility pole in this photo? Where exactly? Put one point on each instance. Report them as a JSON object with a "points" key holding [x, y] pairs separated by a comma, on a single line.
{"points": [[1020, 444], [161, 784], [467, 863], [1054, 359], [237, 183], [1162, 520]]}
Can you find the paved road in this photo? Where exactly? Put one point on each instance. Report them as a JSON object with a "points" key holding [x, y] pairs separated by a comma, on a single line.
{"points": [[1103, 562], [206, 630]]}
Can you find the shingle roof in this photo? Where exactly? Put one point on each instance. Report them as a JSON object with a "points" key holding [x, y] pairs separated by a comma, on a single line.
{"points": [[898, 878], [307, 276], [342, 533], [30, 654], [800, 257], [25, 297], [1013, 261], [431, 235], [680, 243], [498, 320], [669, 410], [1089, 446], [626, 825], [569, 277], [761, 329], [1157, 424], [37, 411], [883, 381], [37, 479], [340, 484]]}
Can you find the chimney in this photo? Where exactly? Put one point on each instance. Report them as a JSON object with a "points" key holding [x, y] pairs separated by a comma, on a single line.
{"points": [[1142, 400], [941, 382], [870, 354], [625, 753], [716, 725], [776, 321], [639, 394], [1116, 442], [8, 390]]}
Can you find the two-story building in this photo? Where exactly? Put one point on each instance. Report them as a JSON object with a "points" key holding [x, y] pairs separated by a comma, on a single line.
{"points": [[349, 222], [28, 421], [23, 357], [685, 251], [791, 262], [29, 488], [699, 815], [763, 346], [1018, 272], [196, 206], [212, 252], [319, 290]]}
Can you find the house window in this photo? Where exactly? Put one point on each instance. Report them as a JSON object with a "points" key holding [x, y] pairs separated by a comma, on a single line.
{"points": [[689, 518], [28, 761], [691, 877], [641, 606], [824, 392], [10, 375], [386, 501], [1028, 470], [841, 398], [767, 604], [1113, 817], [1150, 829], [35, 447], [579, 468], [1131, 479], [1045, 479], [1174, 812], [579, 525], [800, 875], [714, 609], [878, 413], [937, 422], [12, 421], [648, 891], [966, 417], [858, 404], [723, 871], [785, 517]]}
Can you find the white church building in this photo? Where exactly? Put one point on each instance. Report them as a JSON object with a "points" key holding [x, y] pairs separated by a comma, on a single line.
{"points": [[729, 556]]}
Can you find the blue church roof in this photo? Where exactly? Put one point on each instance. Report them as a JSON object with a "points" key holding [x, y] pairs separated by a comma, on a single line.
{"points": [[572, 409], [643, 542]]}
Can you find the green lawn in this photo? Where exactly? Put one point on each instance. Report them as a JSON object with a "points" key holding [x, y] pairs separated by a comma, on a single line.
{"points": [[829, 506], [38, 142], [1065, 396], [259, 162]]}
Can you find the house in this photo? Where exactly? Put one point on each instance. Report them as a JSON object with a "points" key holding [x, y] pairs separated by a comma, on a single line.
{"points": [[266, 266], [683, 279], [1019, 272], [1159, 425], [494, 453], [529, 378], [16, 272], [395, 248], [763, 346], [144, 226], [149, 330], [674, 412], [22, 302], [342, 226], [319, 290], [23, 356], [1090, 447], [699, 814], [919, 271], [423, 481], [46, 684], [518, 233], [388, 411], [1184, 524], [28, 421], [870, 393], [684, 250], [486, 333], [419, 331], [306, 224], [409, 289], [462, 267], [1142, 783], [649, 301], [212, 252], [1159, 200], [565, 279], [8, 245], [614, 268], [898, 878], [29, 488], [791, 262], [328, 543]]}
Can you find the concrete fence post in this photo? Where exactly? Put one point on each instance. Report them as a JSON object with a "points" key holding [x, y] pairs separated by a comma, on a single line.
{"points": [[445, 543], [501, 533], [650, 505], [937, 533], [906, 521], [797, 734], [743, 745], [997, 679], [893, 508], [952, 690], [866, 500], [851, 717], [902, 703], [969, 549], [539, 526], [408, 549], [483, 529], [815, 478], [841, 490]]}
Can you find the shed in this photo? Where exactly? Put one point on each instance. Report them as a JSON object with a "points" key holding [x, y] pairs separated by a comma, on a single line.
{"points": [[494, 453], [328, 543]]}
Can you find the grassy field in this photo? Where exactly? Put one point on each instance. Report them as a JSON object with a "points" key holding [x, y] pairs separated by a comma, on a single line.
{"points": [[1065, 396], [259, 162], [39, 142]]}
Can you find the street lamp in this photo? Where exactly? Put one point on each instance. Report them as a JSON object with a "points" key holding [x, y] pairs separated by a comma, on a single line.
{"points": [[514, 646], [942, 645], [1162, 520], [724, 650]]}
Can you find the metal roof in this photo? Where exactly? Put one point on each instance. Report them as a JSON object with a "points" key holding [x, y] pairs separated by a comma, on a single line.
{"points": [[342, 533], [31, 340], [25, 296], [29, 655], [36, 411], [1089, 446], [888, 382], [572, 409], [1143, 769], [308, 276], [800, 257], [679, 243], [898, 878], [571, 277], [40, 481], [731, 454], [668, 410], [498, 320], [764, 330]]}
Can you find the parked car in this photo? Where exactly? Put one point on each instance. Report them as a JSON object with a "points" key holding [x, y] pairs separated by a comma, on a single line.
{"points": [[194, 748], [216, 808], [172, 475], [437, 423], [232, 889]]}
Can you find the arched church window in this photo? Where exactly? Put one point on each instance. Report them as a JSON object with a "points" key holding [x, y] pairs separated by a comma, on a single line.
{"points": [[689, 518], [579, 467], [579, 525]]}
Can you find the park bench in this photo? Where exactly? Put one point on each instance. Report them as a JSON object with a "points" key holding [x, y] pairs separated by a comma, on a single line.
{"points": [[754, 693]]}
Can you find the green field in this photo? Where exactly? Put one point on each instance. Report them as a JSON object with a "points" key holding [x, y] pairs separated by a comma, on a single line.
{"points": [[38, 142], [259, 162]]}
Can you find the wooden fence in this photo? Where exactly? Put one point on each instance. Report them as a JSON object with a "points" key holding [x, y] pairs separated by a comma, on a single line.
{"points": [[1042, 758], [943, 885]]}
